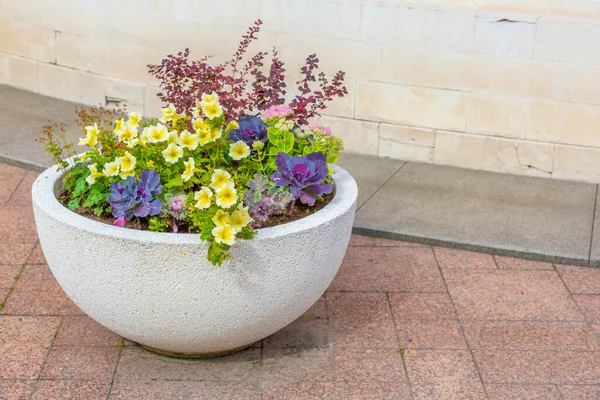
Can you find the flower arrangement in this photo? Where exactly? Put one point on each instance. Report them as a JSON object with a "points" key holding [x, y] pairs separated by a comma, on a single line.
{"points": [[225, 157]]}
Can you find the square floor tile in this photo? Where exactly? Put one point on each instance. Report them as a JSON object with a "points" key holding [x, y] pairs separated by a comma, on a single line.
{"points": [[8, 273], [310, 330], [522, 392], [296, 364], [86, 363], [519, 263], [361, 320], [9, 184], [582, 392], [15, 390], [511, 295], [580, 280], [22, 196], [15, 253], [169, 390], [590, 305], [368, 365], [452, 258], [21, 217], [84, 331], [71, 390], [37, 256]]}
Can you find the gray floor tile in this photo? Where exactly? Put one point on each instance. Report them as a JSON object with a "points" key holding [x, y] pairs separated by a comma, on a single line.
{"points": [[483, 209], [595, 251]]}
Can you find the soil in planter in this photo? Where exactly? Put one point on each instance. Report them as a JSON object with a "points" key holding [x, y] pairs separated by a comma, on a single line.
{"points": [[300, 211]]}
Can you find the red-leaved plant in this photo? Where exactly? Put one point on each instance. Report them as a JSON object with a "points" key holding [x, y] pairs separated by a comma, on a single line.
{"points": [[243, 86]]}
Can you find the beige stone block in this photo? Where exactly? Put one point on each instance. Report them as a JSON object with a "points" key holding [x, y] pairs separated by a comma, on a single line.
{"points": [[72, 51], [120, 61], [503, 37], [22, 73], [3, 69], [405, 151], [358, 60], [458, 149], [497, 115], [334, 19], [567, 40], [407, 135], [152, 104], [423, 107], [580, 83], [29, 41], [124, 91], [378, 22], [359, 136], [92, 89], [576, 163], [59, 82]]}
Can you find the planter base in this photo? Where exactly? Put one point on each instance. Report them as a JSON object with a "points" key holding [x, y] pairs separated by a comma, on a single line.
{"points": [[194, 355]]}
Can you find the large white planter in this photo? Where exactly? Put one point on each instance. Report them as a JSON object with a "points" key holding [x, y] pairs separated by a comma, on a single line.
{"points": [[158, 289]]}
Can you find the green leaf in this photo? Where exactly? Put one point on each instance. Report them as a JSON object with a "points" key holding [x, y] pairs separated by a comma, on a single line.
{"points": [[332, 158], [73, 204], [177, 181], [80, 188], [287, 144]]}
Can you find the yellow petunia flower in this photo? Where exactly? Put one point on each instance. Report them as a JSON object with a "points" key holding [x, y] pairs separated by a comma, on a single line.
{"points": [[91, 136], [170, 114], [221, 218], [119, 125], [189, 169], [172, 153], [239, 219], [212, 110], [127, 133], [158, 133], [188, 140], [127, 162], [134, 118], [224, 234], [204, 137], [133, 142], [226, 196], [173, 137], [199, 124], [215, 134], [125, 174], [144, 136], [93, 174], [239, 150], [220, 178], [203, 197], [210, 98], [111, 168], [232, 125]]}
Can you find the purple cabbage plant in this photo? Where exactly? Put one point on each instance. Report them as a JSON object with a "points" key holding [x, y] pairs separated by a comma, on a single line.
{"points": [[304, 175], [264, 200], [131, 198], [252, 129], [175, 208]]}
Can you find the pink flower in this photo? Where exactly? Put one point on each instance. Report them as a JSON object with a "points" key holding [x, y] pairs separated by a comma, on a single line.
{"points": [[318, 128], [119, 222], [277, 111]]}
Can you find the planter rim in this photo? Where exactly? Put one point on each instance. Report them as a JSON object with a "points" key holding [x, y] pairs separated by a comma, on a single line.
{"points": [[44, 197]]}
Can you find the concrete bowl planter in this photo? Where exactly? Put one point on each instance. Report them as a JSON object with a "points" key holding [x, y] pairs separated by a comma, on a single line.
{"points": [[158, 289]]}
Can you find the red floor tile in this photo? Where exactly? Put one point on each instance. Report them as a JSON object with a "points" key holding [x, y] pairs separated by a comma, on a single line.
{"points": [[368, 365], [360, 240], [590, 305], [336, 391], [139, 364], [22, 196], [389, 269], [580, 280], [8, 273], [71, 390], [310, 330], [17, 225], [361, 320], [452, 258], [443, 374], [9, 184], [24, 345], [37, 293], [522, 392], [519, 263], [37, 256], [87, 363], [296, 364], [530, 335], [84, 331], [511, 295], [539, 367], [380, 242], [15, 253], [582, 392], [143, 390], [15, 390]]}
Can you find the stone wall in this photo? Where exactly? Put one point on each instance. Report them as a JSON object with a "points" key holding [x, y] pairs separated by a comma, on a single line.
{"points": [[485, 84]]}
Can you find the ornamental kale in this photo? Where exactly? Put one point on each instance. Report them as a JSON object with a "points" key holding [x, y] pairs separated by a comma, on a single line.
{"points": [[304, 175], [264, 199], [251, 129], [132, 198]]}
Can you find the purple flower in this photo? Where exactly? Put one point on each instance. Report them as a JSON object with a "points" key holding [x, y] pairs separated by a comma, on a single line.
{"points": [[132, 198], [252, 129], [304, 175]]}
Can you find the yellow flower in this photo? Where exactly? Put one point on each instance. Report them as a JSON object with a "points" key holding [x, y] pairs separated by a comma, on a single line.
{"points": [[150, 164], [119, 125], [173, 138], [221, 218], [125, 174], [127, 133], [91, 136], [170, 114], [111, 168], [133, 142], [203, 197], [212, 110], [210, 98], [144, 136], [158, 133], [239, 219], [127, 162], [188, 140], [215, 134], [134, 118], [199, 124], [172, 153], [224, 234], [226, 196], [232, 125], [220, 178], [239, 150], [189, 169], [204, 137], [93, 174]]}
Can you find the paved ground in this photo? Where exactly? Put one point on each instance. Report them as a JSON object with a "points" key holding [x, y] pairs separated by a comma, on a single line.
{"points": [[535, 218], [400, 321]]}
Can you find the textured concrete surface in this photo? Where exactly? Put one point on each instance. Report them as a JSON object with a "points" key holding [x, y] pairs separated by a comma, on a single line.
{"points": [[400, 321]]}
